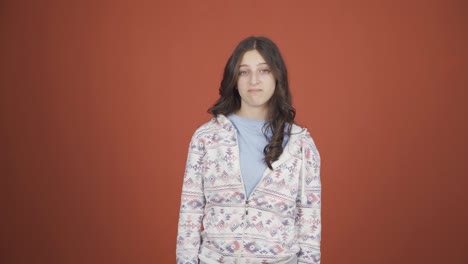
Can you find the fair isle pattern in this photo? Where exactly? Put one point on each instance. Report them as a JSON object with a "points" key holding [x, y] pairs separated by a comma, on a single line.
{"points": [[280, 219]]}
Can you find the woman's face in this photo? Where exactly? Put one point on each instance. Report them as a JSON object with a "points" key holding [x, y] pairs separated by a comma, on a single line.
{"points": [[256, 83]]}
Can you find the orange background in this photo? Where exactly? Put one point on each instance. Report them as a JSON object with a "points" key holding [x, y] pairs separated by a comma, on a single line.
{"points": [[99, 101]]}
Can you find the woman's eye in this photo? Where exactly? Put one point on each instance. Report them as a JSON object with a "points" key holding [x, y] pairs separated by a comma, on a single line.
{"points": [[243, 73], [263, 71]]}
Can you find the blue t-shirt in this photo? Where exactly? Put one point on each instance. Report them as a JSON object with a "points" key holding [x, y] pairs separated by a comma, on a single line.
{"points": [[251, 142]]}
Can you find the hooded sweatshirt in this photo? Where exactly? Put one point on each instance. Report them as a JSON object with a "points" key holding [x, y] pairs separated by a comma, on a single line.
{"points": [[279, 221]]}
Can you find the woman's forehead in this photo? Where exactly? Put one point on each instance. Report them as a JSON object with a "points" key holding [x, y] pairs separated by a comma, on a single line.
{"points": [[252, 58]]}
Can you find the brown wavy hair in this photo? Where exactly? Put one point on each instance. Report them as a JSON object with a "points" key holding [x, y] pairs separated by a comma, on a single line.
{"points": [[281, 114]]}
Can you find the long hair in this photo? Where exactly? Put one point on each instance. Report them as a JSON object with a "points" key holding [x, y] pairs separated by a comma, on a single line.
{"points": [[280, 111]]}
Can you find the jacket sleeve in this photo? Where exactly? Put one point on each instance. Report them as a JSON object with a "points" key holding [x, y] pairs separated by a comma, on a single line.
{"points": [[308, 218], [192, 205]]}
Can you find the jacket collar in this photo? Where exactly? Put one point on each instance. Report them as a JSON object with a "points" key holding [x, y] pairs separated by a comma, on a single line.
{"points": [[224, 122], [293, 147]]}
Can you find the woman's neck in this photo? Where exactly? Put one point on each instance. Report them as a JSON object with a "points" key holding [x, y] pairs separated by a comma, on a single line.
{"points": [[256, 113]]}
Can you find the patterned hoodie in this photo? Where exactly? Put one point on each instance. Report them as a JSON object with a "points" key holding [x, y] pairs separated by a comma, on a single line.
{"points": [[280, 220]]}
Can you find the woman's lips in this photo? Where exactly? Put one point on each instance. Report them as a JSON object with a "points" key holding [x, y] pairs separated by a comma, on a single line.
{"points": [[254, 90]]}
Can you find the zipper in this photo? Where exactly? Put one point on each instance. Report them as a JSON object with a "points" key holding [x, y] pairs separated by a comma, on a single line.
{"points": [[247, 201], [247, 207], [239, 255]]}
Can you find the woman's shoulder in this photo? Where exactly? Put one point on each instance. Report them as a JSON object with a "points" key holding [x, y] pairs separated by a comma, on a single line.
{"points": [[213, 127], [303, 135]]}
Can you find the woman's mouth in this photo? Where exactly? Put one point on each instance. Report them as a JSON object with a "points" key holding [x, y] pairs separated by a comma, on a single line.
{"points": [[254, 90]]}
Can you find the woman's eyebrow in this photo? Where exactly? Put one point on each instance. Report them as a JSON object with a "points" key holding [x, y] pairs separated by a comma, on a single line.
{"points": [[248, 65]]}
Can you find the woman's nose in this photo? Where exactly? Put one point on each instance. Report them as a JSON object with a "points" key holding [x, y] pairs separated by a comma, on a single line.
{"points": [[254, 78]]}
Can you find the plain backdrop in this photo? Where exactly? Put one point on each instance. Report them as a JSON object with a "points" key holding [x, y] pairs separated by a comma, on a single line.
{"points": [[99, 100]]}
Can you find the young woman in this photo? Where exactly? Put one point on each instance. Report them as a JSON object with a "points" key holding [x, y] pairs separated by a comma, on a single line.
{"points": [[251, 191]]}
